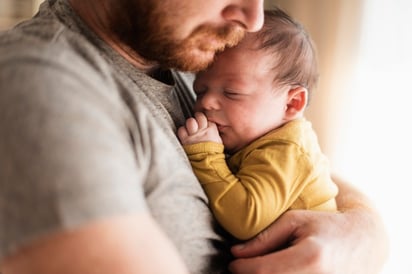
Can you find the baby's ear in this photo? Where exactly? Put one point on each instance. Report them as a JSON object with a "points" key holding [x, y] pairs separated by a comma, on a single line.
{"points": [[296, 103]]}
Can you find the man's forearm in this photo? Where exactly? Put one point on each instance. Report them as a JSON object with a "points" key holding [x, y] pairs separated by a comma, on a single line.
{"points": [[127, 245], [365, 219]]}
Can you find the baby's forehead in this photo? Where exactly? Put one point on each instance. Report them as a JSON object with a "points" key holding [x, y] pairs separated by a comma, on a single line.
{"points": [[255, 45], [250, 45], [251, 40]]}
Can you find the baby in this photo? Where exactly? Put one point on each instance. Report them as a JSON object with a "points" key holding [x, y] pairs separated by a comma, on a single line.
{"points": [[249, 144]]}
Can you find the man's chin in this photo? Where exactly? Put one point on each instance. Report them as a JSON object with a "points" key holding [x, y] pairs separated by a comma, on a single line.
{"points": [[195, 60]]}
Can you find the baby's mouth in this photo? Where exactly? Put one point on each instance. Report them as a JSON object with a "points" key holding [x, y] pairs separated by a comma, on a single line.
{"points": [[219, 126]]}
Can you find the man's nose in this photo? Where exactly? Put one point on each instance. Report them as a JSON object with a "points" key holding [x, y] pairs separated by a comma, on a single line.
{"points": [[247, 13]]}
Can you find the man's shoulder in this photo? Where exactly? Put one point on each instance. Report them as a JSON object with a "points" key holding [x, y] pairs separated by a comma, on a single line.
{"points": [[45, 40]]}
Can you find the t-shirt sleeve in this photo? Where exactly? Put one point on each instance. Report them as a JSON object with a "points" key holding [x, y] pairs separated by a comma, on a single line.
{"points": [[65, 148]]}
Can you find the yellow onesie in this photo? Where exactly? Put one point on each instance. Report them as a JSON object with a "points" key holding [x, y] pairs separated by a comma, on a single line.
{"points": [[284, 169]]}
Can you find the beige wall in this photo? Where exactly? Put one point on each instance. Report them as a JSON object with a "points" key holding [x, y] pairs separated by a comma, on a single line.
{"points": [[14, 11], [334, 26]]}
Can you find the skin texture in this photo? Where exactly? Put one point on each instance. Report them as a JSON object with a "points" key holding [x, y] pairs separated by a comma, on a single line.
{"points": [[114, 245]]}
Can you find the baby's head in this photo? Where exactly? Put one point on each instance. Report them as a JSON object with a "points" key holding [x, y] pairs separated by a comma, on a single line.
{"points": [[292, 51], [261, 83]]}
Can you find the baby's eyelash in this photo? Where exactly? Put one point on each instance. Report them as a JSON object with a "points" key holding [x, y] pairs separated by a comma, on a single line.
{"points": [[231, 93]]}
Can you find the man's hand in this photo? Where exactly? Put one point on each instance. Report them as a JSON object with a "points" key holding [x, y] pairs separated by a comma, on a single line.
{"points": [[353, 241]]}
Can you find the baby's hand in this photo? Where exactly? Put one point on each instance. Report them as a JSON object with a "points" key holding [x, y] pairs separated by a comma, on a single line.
{"points": [[198, 129]]}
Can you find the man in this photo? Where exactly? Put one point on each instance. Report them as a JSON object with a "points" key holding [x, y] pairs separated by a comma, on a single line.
{"points": [[92, 176]]}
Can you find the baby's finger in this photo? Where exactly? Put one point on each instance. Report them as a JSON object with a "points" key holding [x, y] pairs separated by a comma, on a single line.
{"points": [[192, 126], [201, 120], [182, 134]]}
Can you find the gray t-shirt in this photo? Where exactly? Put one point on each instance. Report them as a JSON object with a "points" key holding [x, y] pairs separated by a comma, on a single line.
{"points": [[85, 135]]}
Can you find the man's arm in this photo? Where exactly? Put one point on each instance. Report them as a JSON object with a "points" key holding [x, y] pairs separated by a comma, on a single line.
{"points": [[122, 245], [353, 241]]}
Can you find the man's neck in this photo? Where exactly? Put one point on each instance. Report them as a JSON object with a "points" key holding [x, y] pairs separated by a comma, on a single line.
{"points": [[95, 16]]}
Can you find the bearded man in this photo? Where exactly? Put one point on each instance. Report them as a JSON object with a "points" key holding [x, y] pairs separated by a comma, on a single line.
{"points": [[92, 176]]}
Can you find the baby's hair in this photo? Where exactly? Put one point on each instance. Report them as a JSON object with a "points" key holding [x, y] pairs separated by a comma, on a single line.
{"points": [[294, 52]]}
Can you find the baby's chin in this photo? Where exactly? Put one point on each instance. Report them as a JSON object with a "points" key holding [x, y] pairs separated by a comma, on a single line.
{"points": [[230, 148]]}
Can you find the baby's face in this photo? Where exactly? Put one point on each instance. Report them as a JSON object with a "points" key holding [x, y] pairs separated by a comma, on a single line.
{"points": [[237, 93]]}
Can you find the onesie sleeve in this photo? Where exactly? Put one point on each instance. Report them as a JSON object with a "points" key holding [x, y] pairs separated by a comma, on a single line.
{"points": [[254, 188]]}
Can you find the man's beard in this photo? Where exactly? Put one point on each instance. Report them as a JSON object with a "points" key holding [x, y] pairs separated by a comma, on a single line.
{"points": [[195, 52], [149, 33]]}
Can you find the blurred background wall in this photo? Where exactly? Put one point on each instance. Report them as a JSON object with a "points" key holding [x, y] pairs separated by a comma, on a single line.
{"points": [[361, 108], [14, 11], [334, 26]]}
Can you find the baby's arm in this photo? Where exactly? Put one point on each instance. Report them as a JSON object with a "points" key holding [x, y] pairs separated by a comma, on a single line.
{"points": [[198, 129]]}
